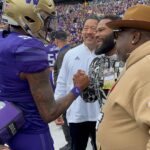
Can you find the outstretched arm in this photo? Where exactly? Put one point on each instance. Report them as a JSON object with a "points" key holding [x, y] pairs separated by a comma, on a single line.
{"points": [[41, 90]]}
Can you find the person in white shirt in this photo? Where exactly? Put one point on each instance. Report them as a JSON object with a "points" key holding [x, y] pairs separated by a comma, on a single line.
{"points": [[81, 116]]}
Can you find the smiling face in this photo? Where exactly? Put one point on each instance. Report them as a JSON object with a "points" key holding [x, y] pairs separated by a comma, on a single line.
{"points": [[88, 33], [102, 31], [104, 37]]}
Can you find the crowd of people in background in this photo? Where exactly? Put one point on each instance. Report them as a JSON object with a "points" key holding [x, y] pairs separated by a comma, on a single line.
{"points": [[71, 16], [82, 30]]}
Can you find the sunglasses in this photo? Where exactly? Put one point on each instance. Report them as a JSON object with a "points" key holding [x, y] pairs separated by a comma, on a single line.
{"points": [[117, 32]]}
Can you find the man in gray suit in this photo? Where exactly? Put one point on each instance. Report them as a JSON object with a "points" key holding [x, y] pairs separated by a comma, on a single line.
{"points": [[61, 42]]}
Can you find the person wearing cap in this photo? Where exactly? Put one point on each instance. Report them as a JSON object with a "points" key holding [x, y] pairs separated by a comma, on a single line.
{"points": [[126, 121], [60, 40], [52, 51]]}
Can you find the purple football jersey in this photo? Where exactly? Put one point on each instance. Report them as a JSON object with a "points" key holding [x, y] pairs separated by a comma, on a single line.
{"points": [[52, 51], [20, 53]]}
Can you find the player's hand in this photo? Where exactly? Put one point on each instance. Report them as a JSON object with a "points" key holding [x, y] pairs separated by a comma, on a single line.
{"points": [[59, 121], [81, 80]]}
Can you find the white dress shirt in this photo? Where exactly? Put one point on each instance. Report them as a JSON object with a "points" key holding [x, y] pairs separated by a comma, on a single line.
{"points": [[77, 58]]}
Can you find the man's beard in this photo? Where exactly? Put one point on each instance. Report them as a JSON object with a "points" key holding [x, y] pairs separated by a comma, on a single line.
{"points": [[107, 45]]}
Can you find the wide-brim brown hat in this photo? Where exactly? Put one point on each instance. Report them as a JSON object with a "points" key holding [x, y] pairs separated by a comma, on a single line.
{"points": [[137, 17]]}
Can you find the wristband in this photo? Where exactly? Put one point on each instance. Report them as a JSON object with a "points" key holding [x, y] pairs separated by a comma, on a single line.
{"points": [[76, 91]]}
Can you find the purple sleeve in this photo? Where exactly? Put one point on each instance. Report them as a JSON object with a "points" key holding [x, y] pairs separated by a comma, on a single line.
{"points": [[31, 59]]}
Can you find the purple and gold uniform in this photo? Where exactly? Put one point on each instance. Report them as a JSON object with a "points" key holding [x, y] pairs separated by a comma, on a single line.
{"points": [[20, 53], [52, 51]]}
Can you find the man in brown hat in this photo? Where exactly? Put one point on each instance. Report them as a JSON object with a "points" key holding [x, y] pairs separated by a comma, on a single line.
{"points": [[126, 121]]}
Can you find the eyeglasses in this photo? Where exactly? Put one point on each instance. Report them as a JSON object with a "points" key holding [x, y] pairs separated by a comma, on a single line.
{"points": [[116, 32]]}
